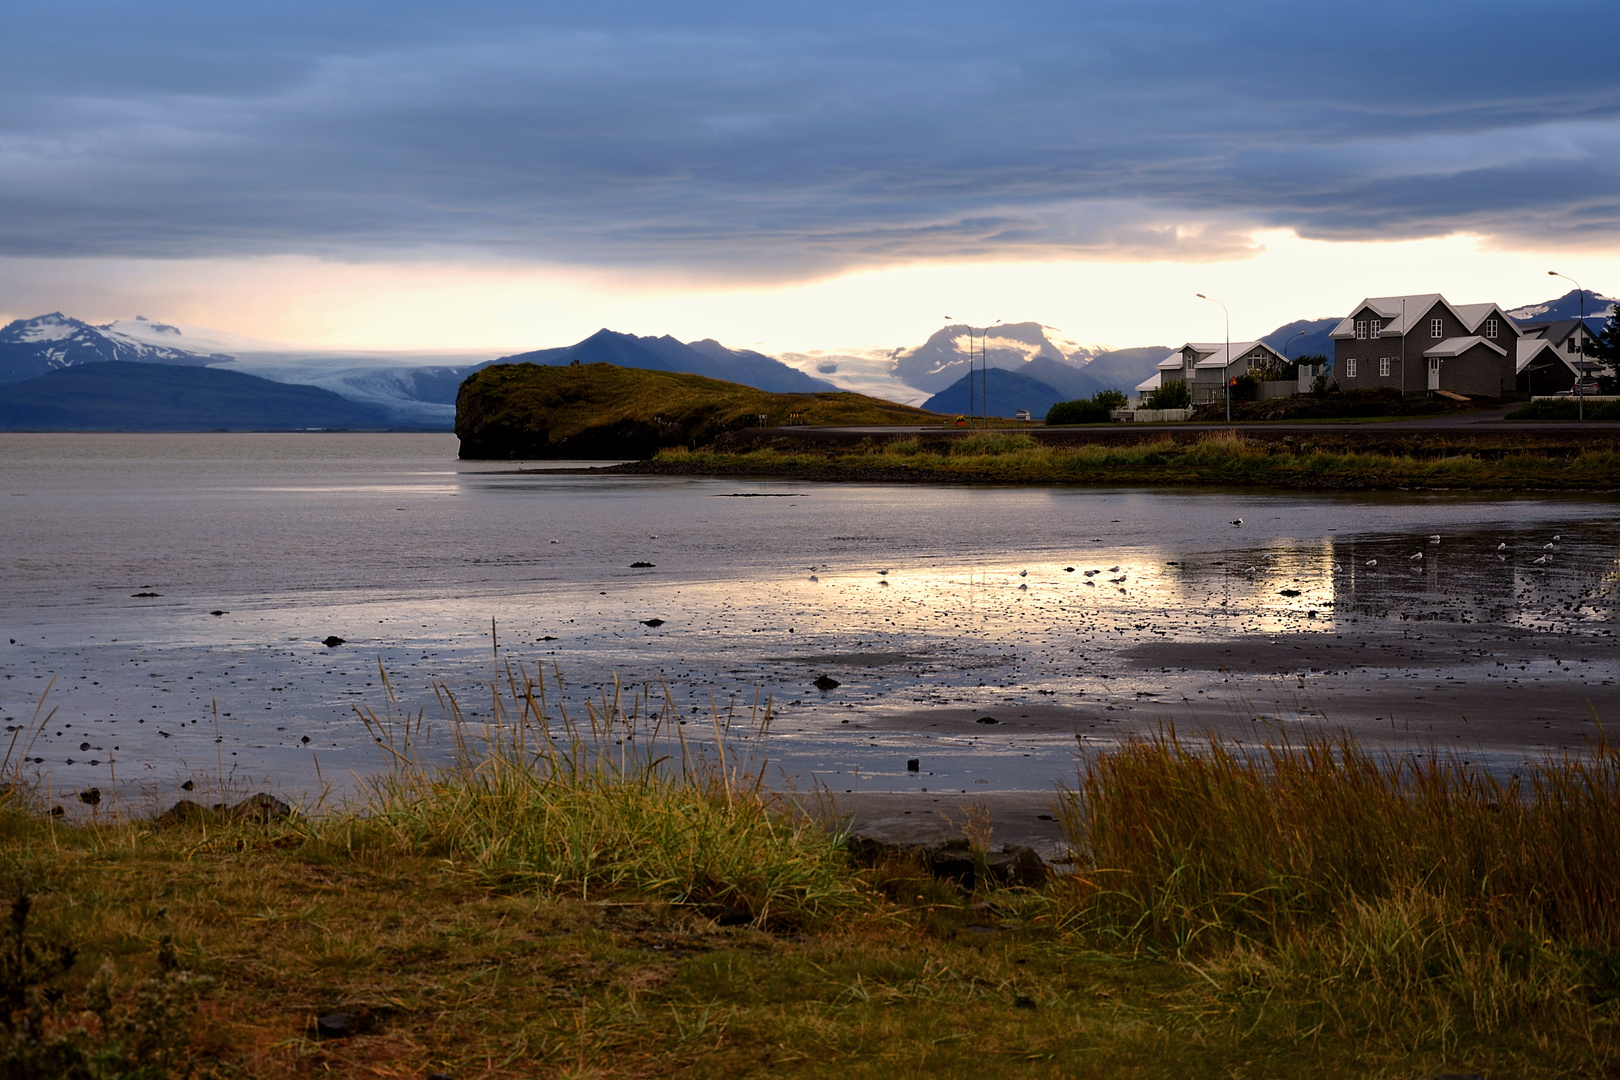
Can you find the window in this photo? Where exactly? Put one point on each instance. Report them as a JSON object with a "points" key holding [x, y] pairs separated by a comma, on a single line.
{"points": [[1490, 328], [1361, 329], [1375, 327], [1569, 345], [1437, 328], [1383, 366], [1350, 368]]}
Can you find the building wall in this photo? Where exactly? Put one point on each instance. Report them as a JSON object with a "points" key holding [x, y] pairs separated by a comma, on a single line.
{"points": [[1479, 372], [1553, 380], [1367, 354]]}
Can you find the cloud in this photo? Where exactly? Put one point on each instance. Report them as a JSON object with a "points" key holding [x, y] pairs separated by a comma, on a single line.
{"points": [[785, 141]]}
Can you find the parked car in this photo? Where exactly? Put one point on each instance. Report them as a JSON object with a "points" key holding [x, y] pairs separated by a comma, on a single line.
{"points": [[1021, 414]]}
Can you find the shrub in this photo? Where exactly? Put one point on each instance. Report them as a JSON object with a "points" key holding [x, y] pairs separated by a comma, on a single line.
{"points": [[1096, 409], [1566, 409], [1171, 395]]}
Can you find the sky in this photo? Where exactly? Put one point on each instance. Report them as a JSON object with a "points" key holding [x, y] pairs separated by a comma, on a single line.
{"points": [[796, 177]]}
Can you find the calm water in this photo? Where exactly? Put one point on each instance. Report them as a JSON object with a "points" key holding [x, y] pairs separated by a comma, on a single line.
{"points": [[392, 544]]}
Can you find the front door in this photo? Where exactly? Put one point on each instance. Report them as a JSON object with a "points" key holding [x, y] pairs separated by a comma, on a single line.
{"points": [[1434, 373]]}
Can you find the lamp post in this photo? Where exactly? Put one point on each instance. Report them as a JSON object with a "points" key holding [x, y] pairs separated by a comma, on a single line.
{"points": [[1580, 372], [984, 372], [1226, 383]]}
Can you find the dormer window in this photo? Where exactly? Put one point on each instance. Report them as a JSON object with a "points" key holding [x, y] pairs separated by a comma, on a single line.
{"points": [[1375, 327], [1361, 329], [1490, 328], [1437, 328]]}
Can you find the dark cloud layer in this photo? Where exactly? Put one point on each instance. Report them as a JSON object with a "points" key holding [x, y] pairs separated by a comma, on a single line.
{"points": [[790, 139]]}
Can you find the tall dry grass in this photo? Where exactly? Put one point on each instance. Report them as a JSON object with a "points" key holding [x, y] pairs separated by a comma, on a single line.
{"points": [[1387, 887], [623, 802]]}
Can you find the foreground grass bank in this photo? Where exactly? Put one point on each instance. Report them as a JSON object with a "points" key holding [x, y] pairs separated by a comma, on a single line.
{"points": [[1305, 462], [566, 901]]}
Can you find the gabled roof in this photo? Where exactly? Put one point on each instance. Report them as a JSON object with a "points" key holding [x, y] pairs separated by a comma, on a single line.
{"points": [[1417, 306], [1389, 309], [1531, 347], [1559, 330], [1458, 345], [1176, 360], [1151, 383], [1222, 356]]}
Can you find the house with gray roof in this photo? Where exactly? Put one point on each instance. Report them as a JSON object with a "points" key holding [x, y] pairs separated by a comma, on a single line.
{"points": [[1422, 343], [1551, 353], [1207, 366]]}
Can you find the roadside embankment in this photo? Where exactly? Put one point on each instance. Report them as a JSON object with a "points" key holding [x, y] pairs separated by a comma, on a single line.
{"points": [[1331, 459]]}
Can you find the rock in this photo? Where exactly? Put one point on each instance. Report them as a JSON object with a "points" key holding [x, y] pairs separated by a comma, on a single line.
{"points": [[338, 1025], [262, 808], [730, 915], [654, 623], [913, 764], [90, 796], [56, 811], [1290, 592], [987, 720], [1023, 1001], [1017, 865], [825, 683], [952, 859], [188, 785], [217, 612], [641, 566], [184, 812], [144, 595], [332, 641]]}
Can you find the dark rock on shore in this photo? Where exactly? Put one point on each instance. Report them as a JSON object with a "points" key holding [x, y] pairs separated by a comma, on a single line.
{"points": [[332, 641], [262, 808], [954, 859], [825, 683]]}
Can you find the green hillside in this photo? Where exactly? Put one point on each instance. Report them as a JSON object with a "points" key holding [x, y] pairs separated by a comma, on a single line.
{"points": [[602, 411]]}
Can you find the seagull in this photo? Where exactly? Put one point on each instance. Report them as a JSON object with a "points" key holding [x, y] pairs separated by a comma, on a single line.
{"points": [[1501, 547], [1092, 573], [652, 536], [883, 573], [1023, 573], [1557, 538], [1023, 588], [1237, 521], [1418, 557], [1249, 569], [1372, 562], [1434, 539], [1541, 560], [1546, 547], [1113, 569], [556, 541]]}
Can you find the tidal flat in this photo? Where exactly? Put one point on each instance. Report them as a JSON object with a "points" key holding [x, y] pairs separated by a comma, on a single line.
{"points": [[1072, 616]]}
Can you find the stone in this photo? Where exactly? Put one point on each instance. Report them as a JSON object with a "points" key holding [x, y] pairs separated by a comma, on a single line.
{"points": [[262, 808], [654, 623], [338, 1025], [90, 796], [731, 915], [332, 641], [641, 566], [987, 720], [1017, 865], [216, 612], [183, 813], [1289, 592], [913, 764], [825, 683]]}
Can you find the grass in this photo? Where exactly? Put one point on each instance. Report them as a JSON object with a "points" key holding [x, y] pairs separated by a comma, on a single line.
{"points": [[1567, 409], [556, 902], [605, 411], [1222, 458]]}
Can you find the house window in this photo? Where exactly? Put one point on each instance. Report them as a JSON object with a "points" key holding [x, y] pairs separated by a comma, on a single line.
{"points": [[1375, 327], [1490, 328], [1361, 329], [1437, 328], [1383, 366], [1350, 368], [1569, 345]]}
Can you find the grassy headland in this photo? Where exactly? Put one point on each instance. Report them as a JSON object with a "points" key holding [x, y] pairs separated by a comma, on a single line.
{"points": [[1329, 461], [601, 410], [566, 901]]}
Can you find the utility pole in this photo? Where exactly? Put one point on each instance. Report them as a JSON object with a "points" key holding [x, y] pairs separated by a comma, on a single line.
{"points": [[1580, 371], [1226, 365]]}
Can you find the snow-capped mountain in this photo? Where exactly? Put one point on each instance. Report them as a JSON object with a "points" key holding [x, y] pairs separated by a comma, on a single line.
{"points": [[1567, 306], [32, 347], [943, 358]]}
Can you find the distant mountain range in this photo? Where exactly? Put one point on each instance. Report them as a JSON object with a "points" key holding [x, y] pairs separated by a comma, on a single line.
{"points": [[707, 357], [119, 395], [30, 348], [418, 389]]}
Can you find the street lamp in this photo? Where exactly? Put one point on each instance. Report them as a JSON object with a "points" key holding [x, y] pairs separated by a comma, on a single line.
{"points": [[1290, 342], [1226, 383], [1580, 372], [984, 370]]}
